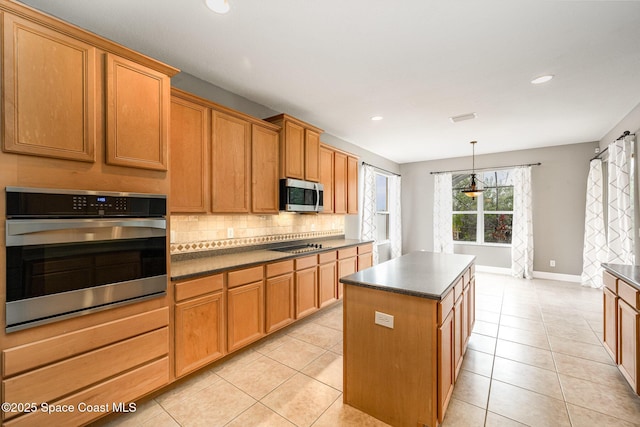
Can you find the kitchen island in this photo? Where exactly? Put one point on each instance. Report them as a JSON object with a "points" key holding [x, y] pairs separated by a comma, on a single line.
{"points": [[406, 325]]}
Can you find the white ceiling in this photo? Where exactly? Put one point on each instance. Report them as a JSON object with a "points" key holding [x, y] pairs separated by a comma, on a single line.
{"points": [[336, 63]]}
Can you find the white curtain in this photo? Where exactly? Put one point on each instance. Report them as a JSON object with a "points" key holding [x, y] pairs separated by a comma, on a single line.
{"points": [[395, 215], [368, 218], [442, 213], [522, 229], [595, 241], [620, 209]]}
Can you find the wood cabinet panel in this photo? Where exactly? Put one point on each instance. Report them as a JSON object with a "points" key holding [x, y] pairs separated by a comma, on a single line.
{"points": [[471, 307], [279, 268], [230, 164], [305, 262], [628, 347], [245, 315], [306, 291], [346, 266], [326, 177], [352, 185], [189, 147], [197, 287], [264, 170], [137, 126], [244, 276], [199, 332], [292, 156], [39, 353], [347, 252], [327, 278], [446, 367], [340, 183], [365, 261], [53, 381], [610, 326], [49, 92], [279, 306], [312, 155], [458, 344]]}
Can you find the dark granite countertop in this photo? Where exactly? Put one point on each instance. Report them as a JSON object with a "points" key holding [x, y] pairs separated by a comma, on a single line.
{"points": [[189, 266], [628, 273], [422, 274]]}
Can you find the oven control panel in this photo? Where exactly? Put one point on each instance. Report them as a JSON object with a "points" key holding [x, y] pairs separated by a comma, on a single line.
{"points": [[30, 202]]}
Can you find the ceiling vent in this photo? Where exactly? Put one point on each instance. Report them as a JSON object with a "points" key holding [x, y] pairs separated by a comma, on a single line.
{"points": [[463, 117]]}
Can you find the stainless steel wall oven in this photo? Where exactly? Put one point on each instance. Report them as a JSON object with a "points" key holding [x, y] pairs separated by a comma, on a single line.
{"points": [[71, 252]]}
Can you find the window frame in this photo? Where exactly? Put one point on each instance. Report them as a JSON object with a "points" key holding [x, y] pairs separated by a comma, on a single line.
{"points": [[480, 213], [386, 212]]}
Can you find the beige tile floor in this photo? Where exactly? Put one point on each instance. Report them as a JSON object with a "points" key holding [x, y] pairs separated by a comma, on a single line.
{"points": [[535, 358]]}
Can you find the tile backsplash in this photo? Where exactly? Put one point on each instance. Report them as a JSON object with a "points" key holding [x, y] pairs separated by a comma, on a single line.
{"points": [[193, 233]]}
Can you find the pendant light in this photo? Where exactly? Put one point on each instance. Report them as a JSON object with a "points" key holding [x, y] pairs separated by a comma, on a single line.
{"points": [[218, 6], [473, 190]]}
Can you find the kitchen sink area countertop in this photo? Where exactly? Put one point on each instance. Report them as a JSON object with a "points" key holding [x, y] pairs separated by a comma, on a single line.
{"points": [[188, 266]]}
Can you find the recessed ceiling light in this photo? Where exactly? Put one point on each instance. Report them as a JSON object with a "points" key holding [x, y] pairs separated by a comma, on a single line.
{"points": [[377, 118], [456, 119], [218, 6], [542, 79]]}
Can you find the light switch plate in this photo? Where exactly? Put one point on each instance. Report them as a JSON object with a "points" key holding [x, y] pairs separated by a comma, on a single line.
{"points": [[384, 319]]}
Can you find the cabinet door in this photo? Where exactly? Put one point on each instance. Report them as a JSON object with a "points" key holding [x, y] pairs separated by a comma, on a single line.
{"points": [[327, 275], [628, 330], [458, 345], [306, 292], [264, 170], [466, 333], [292, 151], [138, 102], [446, 367], [471, 306], [345, 267], [199, 332], [190, 130], [610, 329], [326, 177], [352, 185], [365, 261], [311, 155], [245, 315], [279, 307], [340, 183], [49, 91], [230, 163]]}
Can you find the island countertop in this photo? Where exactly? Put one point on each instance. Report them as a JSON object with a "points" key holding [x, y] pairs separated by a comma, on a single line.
{"points": [[421, 274], [629, 273]]}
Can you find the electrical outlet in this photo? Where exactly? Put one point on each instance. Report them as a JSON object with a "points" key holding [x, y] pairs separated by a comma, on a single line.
{"points": [[230, 233], [384, 319], [552, 263]]}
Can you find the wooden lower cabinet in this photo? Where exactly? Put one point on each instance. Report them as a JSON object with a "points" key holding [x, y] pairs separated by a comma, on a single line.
{"points": [[610, 327], [458, 347], [628, 347], [245, 315], [365, 256], [199, 332], [279, 301], [306, 291], [446, 368], [347, 264], [327, 275]]}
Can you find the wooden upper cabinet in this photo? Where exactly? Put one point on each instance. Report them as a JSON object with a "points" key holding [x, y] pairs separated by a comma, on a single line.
{"points": [[189, 150], [311, 155], [326, 177], [230, 163], [340, 183], [137, 114], [299, 148], [264, 170], [352, 185], [49, 87]]}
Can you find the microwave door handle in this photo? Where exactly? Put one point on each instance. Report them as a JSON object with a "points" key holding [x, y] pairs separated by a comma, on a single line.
{"points": [[20, 227], [317, 188]]}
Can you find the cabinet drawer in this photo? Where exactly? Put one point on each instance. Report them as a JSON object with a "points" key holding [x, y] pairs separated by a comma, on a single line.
{"points": [[629, 294], [327, 257], [347, 252], [279, 268], [306, 262], [445, 306], [242, 277], [54, 381], [457, 289], [365, 249], [40, 353], [197, 287], [610, 282], [472, 271]]}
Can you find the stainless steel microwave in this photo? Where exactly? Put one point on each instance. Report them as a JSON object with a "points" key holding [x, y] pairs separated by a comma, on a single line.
{"points": [[301, 196]]}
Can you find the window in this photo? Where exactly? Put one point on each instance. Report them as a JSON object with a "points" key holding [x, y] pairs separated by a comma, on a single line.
{"points": [[488, 218], [382, 208]]}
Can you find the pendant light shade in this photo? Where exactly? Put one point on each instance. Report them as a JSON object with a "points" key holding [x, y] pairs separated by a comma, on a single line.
{"points": [[218, 6], [474, 189]]}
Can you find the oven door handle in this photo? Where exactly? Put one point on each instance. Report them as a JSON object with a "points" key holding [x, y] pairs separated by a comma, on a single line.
{"points": [[42, 231]]}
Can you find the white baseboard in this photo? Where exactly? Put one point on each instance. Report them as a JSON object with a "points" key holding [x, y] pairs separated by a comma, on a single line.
{"points": [[536, 274]]}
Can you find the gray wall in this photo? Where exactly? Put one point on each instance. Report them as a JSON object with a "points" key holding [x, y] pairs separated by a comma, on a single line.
{"points": [[559, 194], [221, 96]]}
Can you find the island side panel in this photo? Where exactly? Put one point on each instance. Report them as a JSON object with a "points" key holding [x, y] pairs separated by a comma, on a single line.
{"points": [[391, 374]]}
